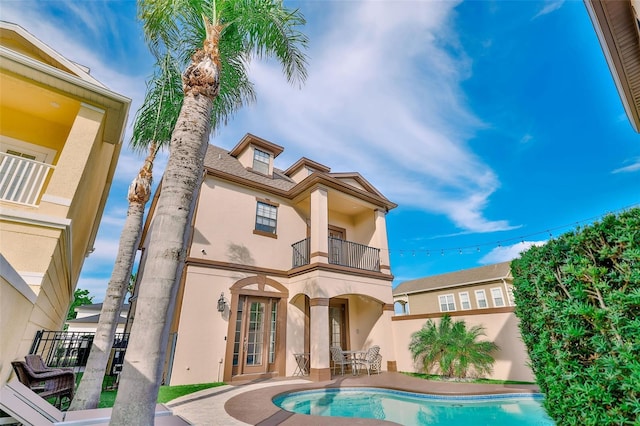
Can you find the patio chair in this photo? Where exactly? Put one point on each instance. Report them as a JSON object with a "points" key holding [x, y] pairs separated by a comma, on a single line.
{"points": [[28, 408], [58, 384], [36, 363], [338, 359], [372, 361]]}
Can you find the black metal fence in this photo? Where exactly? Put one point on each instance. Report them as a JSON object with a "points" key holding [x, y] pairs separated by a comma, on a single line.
{"points": [[301, 253], [341, 252], [71, 349]]}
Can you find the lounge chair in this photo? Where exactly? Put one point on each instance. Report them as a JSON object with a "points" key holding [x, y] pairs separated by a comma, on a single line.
{"points": [[29, 408], [338, 359], [372, 361], [58, 384]]}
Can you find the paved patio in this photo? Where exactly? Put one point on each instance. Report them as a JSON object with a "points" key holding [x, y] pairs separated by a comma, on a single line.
{"points": [[250, 402]]}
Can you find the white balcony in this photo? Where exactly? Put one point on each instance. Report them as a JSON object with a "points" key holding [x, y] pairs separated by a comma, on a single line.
{"points": [[22, 179]]}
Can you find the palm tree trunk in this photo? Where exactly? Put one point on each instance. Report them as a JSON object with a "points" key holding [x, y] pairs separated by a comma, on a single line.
{"points": [[142, 372], [88, 394]]}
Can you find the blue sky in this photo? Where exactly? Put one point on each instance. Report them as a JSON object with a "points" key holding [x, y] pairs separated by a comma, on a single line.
{"points": [[493, 124]]}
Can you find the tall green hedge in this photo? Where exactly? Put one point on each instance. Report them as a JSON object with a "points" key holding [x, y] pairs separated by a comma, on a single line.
{"points": [[578, 301]]}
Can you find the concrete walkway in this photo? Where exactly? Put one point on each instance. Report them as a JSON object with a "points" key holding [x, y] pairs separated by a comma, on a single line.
{"points": [[250, 403]]}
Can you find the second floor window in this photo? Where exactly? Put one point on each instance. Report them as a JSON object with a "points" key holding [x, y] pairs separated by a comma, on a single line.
{"points": [[481, 299], [261, 161], [465, 303], [447, 303], [266, 218], [498, 299]]}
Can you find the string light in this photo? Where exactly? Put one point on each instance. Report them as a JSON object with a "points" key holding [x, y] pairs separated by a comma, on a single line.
{"points": [[521, 239]]}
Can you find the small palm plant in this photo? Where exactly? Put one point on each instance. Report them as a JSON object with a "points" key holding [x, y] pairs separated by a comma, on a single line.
{"points": [[453, 348]]}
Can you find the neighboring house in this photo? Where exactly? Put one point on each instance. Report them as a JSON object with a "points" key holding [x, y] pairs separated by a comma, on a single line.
{"points": [[479, 296], [61, 133], [279, 263], [617, 24], [87, 318]]}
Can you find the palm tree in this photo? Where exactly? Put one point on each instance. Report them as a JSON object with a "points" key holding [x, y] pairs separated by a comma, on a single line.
{"points": [[452, 347], [152, 130], [224, 35]]}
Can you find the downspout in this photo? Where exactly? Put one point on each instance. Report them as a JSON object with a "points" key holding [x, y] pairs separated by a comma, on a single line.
{"points": [[508, 295]]}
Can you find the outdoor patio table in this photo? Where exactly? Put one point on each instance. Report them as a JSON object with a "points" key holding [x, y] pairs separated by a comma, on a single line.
{"points": [[302, 364], [354, 356]]}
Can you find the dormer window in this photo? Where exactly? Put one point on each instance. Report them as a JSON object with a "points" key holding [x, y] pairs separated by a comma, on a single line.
{"points": [[261, 161]]}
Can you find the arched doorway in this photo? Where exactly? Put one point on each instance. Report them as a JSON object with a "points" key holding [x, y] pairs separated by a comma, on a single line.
{"points": [[256, 337]]}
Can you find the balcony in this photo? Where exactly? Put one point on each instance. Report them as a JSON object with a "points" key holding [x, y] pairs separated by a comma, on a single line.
{"points": [[341, 252], [22, 179]]}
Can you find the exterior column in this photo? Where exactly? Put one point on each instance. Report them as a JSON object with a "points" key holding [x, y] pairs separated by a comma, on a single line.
{"points": [[72, 161], [319, 338], [319, 245], [387, 313], [380, 240]]}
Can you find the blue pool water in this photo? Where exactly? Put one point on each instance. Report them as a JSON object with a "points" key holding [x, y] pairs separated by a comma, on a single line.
{"points": [[411, 409]]}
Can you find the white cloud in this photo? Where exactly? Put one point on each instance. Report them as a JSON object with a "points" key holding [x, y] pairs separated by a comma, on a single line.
{"points": [[385, 100], [633, 167], [550, 6], [506, 253]]}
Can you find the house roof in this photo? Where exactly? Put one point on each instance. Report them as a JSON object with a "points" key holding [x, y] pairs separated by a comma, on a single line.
{"points": [[250, 139], [19, 38], [478, 275], [617, 27], [223, 164], [306, 162]]}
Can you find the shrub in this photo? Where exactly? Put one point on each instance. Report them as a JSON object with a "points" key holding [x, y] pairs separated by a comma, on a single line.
{"points": [[452, 347], [578, 301]]}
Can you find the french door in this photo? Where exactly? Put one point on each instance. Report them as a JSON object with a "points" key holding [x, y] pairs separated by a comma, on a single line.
{"points": [[255, 336]]}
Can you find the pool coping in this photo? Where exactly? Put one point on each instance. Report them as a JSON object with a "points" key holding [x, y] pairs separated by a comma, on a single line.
{"points": [[255, 407]]}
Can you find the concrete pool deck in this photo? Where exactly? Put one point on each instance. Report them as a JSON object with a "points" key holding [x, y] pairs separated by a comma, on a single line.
{"points": [[250, 402]]}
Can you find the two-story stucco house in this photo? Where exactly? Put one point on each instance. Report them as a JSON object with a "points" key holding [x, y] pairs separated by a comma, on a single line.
{"points": [[61, 133], [281, 262], [479, 296]]}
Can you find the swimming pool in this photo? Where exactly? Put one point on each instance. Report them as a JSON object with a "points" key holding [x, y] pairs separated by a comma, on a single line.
{"points": [[409, 408]]}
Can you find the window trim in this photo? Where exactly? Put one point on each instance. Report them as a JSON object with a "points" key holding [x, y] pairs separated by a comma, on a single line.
{"points": [[484, 297], [257, 158], [466, 293], [453, 300], [261, 232], [493, 298]]}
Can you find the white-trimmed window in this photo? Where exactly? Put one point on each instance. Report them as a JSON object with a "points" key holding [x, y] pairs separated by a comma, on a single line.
{"points": [[447, 303], [266, 218], [465, 302], [261, 161], [481, 299], [498, 298]]}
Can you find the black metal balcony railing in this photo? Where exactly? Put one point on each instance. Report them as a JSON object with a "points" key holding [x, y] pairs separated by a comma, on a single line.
{"points": [[301, 255], [341, 252]]}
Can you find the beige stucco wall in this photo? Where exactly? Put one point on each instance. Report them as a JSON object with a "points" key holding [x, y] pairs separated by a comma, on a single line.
{"points": [[202, 330], [501, 328], [225, 223]]}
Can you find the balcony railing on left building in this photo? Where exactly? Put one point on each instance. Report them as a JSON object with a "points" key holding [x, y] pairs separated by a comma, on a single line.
{"points": [[341, 252], [22, 179]]}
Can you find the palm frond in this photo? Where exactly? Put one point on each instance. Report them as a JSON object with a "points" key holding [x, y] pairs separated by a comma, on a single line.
{"points": [[156, 118], [268, 30]]}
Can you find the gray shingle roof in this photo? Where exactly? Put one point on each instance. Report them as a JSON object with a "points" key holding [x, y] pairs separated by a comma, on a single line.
{"points": [[454, 279], [219, 159]]}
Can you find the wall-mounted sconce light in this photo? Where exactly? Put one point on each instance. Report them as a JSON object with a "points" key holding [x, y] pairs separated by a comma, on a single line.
{"points": [[221, 303]]}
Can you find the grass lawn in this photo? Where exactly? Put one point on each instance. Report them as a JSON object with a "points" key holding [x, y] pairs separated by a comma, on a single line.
{"points": [[489, 381], [166, 393]]}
